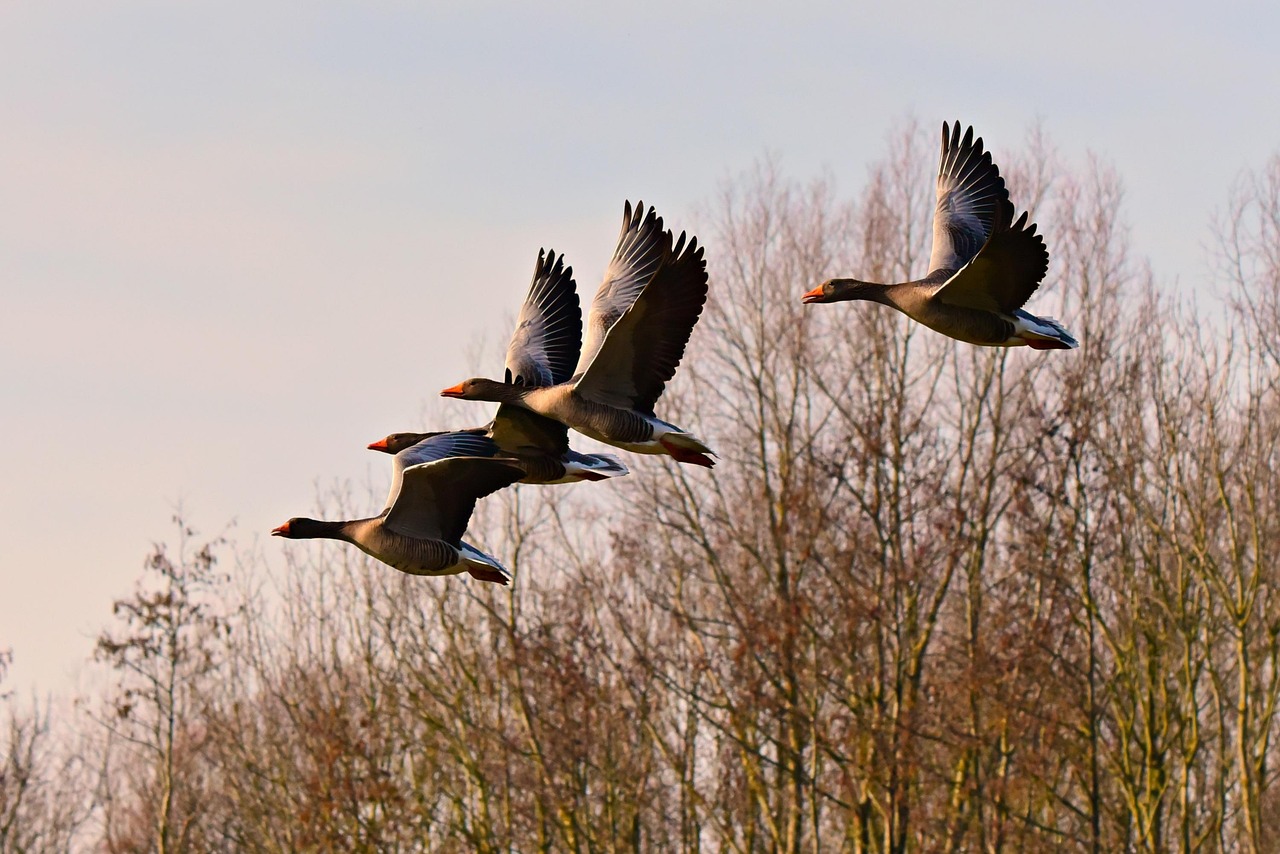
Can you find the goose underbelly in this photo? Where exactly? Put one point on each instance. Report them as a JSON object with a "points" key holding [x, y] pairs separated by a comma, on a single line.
{"points": [[411, 555], [610, 424], [972, 326], [627, 430]]}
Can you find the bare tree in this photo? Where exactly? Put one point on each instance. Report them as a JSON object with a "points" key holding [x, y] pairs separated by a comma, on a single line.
{"points": [[934, 597], [44, 786], [164, 648]]}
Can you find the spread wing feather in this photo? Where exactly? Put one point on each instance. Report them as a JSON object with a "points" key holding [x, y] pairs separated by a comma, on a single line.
{"points": [[437, 499], [1005, 272], [642, 248], [438, 446], [970, 195], [459, 443], [548, 334], [642, 349]]}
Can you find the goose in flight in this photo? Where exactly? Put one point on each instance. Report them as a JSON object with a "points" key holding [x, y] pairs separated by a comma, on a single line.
{"points": [[641, 318], [433, 494], [540, 445], [984, 265]]}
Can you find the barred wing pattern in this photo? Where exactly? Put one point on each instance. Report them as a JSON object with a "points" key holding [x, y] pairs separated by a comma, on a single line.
{"points": [[970, 196], [548, 333]]}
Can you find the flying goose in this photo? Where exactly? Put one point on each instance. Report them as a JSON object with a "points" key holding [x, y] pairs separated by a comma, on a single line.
{"points": [[540, 445], [431, 500], [640, 321], [984, 265], [542, 352]]}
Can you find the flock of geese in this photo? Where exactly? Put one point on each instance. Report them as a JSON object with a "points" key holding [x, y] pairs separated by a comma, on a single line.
{"points": [[983, 268]]}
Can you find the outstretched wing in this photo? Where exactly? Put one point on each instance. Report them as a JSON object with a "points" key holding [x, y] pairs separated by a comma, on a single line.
{"points": [[437, 498], [438, 446], [1005, 272], [544, 347], [970, 193], [642, 349], [642, 247], [459, 443], [516, 430]]}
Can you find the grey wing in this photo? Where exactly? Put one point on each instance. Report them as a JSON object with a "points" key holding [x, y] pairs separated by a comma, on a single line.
{"points": [[1005, 272], [643, 246], [459, 443], [643, 349], [970, 193], [544, 347], [437, 499], [516, 430], [439, 446]]}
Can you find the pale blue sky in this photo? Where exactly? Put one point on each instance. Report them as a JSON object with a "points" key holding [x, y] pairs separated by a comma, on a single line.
{"points": [[239, 241]]}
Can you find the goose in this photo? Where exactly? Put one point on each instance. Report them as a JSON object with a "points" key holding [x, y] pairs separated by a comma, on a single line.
{"points": [[539, 444], [641, 318], [983, 268], [431, 500], [543, 349]]}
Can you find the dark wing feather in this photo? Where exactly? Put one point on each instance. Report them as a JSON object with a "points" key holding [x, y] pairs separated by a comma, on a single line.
{"points": [[516, 430], [438, 446], [642, 247], [1005, 272], [643, 348], [544, 347], [437, 498], [970, 193], [459, 443]]}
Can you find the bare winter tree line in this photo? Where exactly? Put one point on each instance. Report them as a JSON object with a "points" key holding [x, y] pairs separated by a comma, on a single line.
{"points": [[934, 598]]}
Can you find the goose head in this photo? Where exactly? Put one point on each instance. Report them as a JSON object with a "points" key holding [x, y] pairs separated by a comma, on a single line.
{"points": [[299, 528], [478, 388], [837, 290]]}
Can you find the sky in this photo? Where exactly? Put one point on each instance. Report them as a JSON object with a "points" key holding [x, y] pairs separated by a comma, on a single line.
{"points": [[240, 241]]}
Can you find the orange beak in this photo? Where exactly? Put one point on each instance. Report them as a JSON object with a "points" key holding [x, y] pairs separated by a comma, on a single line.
{"points": [[380, 445], [282, 531], [814, 295], [452, 391]]}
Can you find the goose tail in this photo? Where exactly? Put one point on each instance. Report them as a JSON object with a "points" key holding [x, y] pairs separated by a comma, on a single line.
{"points": [[1043, 333], [483, 567], [687, 448]]}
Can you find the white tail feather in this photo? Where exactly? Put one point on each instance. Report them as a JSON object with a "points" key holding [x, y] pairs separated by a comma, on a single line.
{"points": [[473, 557], [1028, 325]]}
